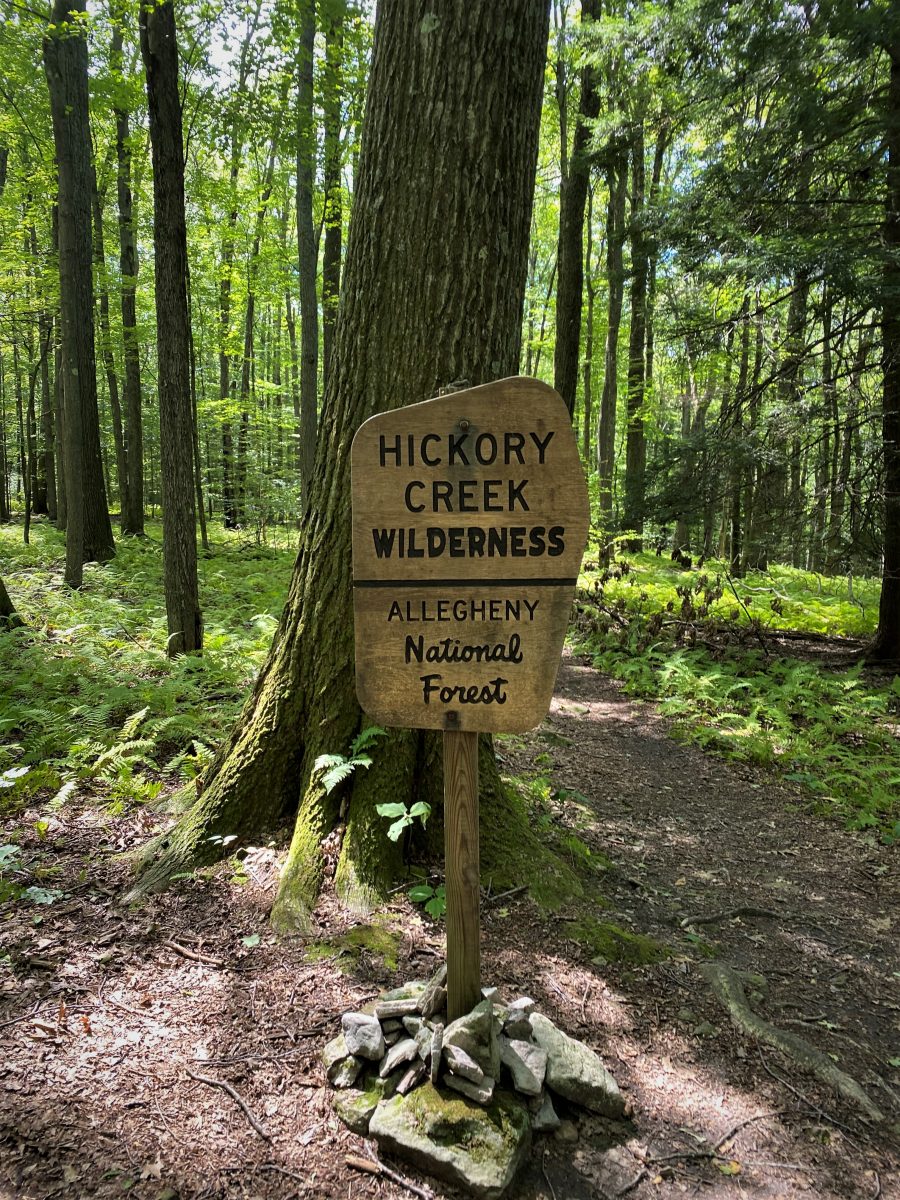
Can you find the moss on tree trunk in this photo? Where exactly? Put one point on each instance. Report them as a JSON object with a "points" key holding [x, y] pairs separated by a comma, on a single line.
{"points": [[432, 293]]}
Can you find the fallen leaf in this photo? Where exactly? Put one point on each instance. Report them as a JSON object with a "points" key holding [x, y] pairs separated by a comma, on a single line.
{"points": [[729, 1168]]}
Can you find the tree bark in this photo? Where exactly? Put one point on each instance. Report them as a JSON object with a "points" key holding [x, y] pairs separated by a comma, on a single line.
{"points": [[573, 194], [331, 105], [160, 55], [133, 502], [615, 272], [307, 251], [886, 643], [9, 618], [451, 145], [635, 443], [88, 529]]}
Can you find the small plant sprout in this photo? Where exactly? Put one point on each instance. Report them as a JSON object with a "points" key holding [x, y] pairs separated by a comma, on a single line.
{"points": [[404, 816], [335, 768], [433, 899]]}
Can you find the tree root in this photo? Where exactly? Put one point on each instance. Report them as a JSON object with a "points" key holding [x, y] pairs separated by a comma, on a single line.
{"points": [[729, 991]]}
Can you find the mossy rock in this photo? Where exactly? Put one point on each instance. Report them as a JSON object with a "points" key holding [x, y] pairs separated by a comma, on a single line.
{"points": [[376, 938], [479, 1148], [614, 944]]}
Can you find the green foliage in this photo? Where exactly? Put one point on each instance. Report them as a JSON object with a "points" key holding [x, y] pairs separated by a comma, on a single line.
{"points": [[402, 816], [12, 870], [335, 768], [89, 701], [832, 732], [432, 898]]}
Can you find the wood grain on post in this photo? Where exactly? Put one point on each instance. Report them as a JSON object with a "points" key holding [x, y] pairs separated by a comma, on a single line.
{"points": [[463, 873]]}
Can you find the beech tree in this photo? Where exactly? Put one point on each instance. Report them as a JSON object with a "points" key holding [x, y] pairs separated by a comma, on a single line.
{"points": [[432, 295], [160, 54], [88, 530]]}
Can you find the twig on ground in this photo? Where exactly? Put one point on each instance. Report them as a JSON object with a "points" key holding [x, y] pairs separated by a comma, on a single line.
{"points": [[194, 955], [584, 999], [753, 624], [629, 1187], [505, 895], [396, 1177], [736, 1129], [546, 1176], [743, 910], [239, 1100], [24, 1017], [806, 1100]]}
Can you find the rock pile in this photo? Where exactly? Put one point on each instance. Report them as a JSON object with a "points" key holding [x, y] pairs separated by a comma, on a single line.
{"points": [[461, 1099]]}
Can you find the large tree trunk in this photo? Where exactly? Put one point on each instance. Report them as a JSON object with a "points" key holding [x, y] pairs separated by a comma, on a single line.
{"points": [[615, 272], [635, 443], [88, 530], [573, 194], [160, 54], [331, 179], [9, 618], [307, 251], [886, 643], [133, 498], [451, 145]]}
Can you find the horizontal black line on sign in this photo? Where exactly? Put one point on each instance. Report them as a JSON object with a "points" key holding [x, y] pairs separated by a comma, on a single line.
{"points": [[453, 583]]}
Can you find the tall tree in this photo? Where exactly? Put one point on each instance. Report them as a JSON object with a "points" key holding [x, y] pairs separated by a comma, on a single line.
{"points": [[449, 145], [307, 249], [133, 501], [88, 530], [332, 215], [159, 50], [573, 194], [886, 643]]}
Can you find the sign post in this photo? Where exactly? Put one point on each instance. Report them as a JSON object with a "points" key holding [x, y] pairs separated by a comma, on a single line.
{"points": [[470, 515]]}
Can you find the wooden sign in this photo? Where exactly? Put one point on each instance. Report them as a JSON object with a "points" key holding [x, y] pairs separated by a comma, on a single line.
{"points": [[470, 516]]}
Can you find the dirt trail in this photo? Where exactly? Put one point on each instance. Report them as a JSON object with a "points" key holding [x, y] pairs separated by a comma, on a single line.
{"points": [[104, 1010]]}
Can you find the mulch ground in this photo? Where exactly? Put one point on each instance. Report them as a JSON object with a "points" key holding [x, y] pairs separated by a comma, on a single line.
{"points": [[120, 1026]]}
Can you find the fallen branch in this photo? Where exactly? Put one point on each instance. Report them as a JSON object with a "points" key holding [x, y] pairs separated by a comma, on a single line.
{"points": [[366, 1164], [743, 910], [193, 955], [505, 895], [729, 991], [239, 1100]]}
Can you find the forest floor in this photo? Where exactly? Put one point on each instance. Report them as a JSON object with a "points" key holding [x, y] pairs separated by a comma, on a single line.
{"points": [[116, 1022]]}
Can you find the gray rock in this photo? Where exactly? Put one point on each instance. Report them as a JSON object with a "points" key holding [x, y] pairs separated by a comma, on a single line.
{"points": [[392, 1025], [567, 1132], [413, 1024], [385, 1009], [403, 1052], [413, 1076], [575, 1072], [408, 991], [462, 1064], [518, 1029], [545, 1119], [527, 1063], [523, 1007], [423, 1041], [478, 1149], [356, 1105], [437, 1043], [490, 993], [363, 1035], [481, 1093], [432, 998], [392, 1038], [475, 1033], [340, 1065]]}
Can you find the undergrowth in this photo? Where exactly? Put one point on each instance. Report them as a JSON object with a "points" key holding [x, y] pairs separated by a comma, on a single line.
{"points": [[833, 732], [88, 699]]}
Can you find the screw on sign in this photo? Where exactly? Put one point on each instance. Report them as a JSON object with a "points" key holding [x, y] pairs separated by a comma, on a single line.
{"points": [[470, 516]]}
